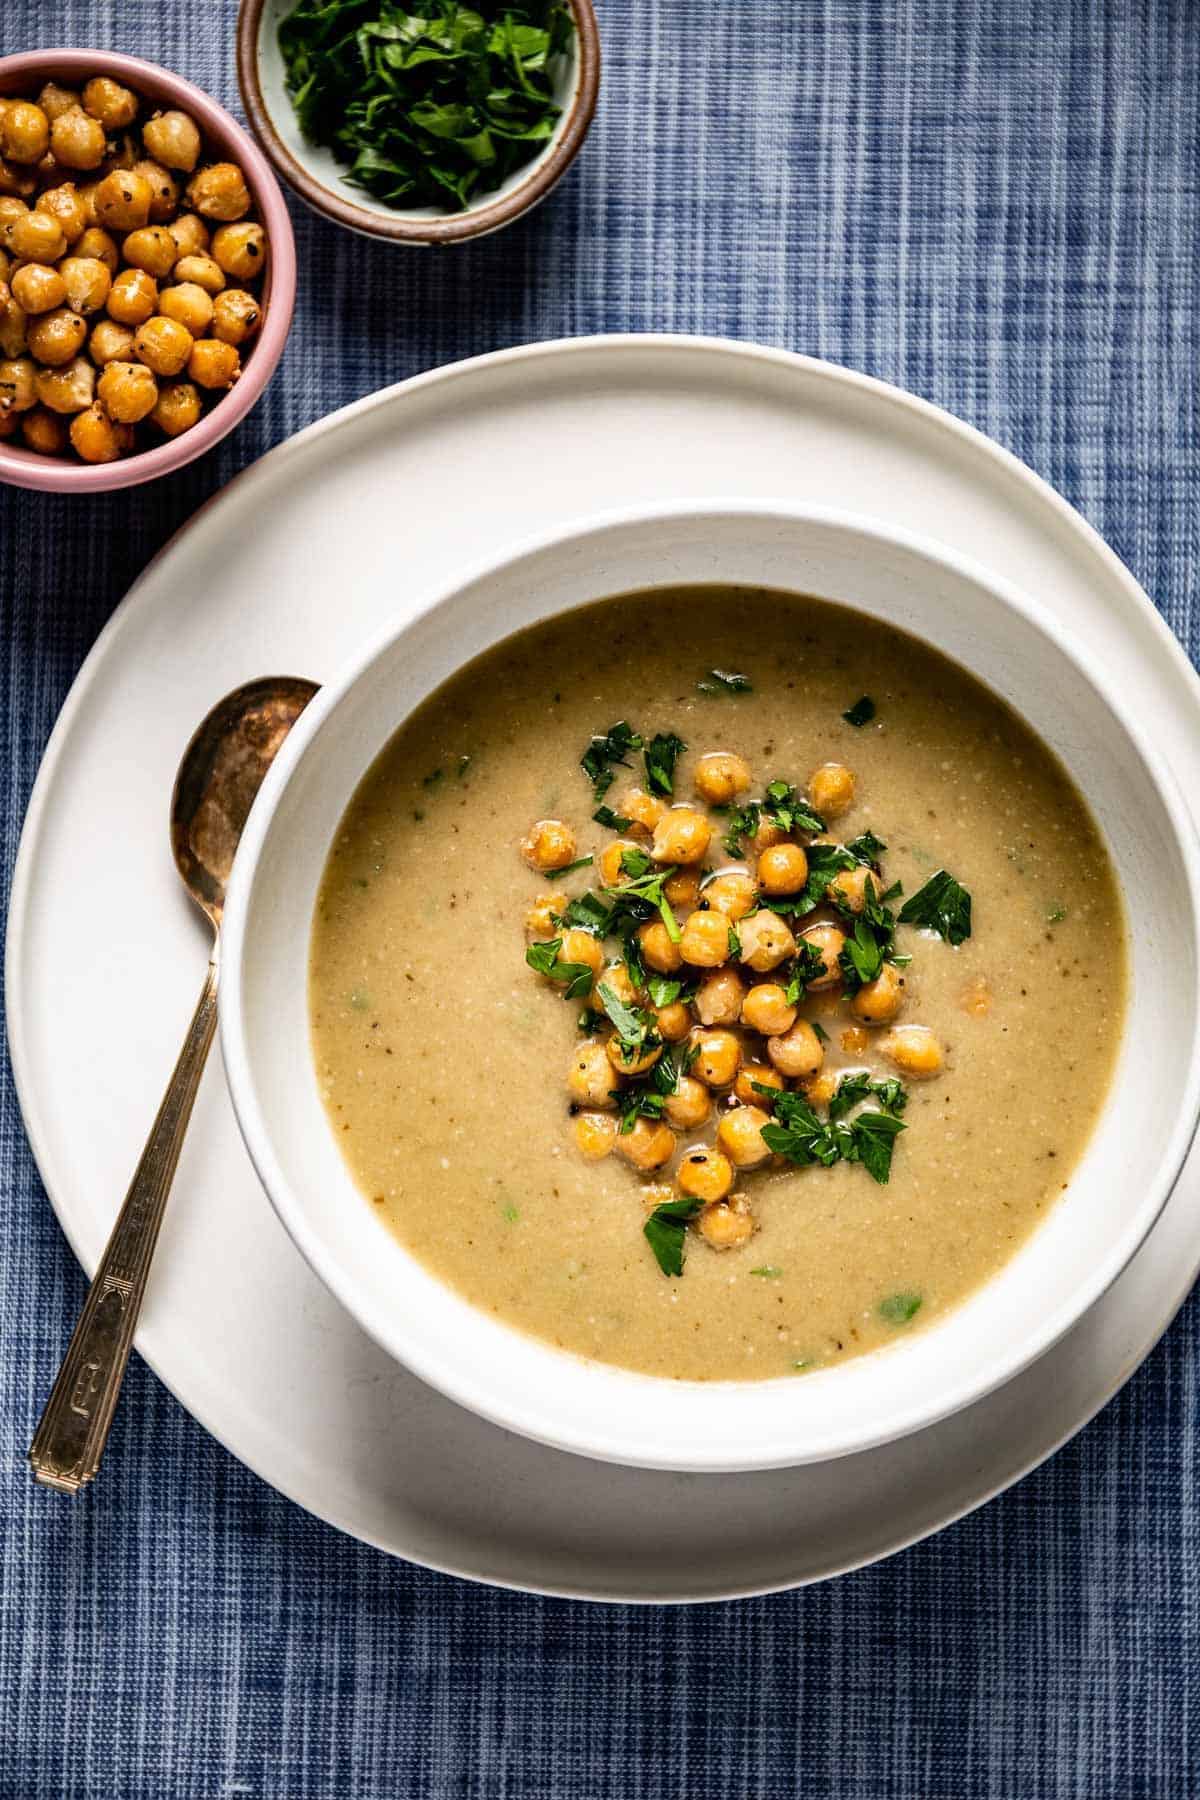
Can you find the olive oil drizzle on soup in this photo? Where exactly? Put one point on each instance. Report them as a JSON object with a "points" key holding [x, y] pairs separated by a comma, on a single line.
{"points": [[444, 1058]]}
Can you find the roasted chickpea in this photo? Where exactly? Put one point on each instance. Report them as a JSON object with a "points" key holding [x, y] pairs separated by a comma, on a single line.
{"points": [[44, 431], [783, 869], [755, 1075], [731, 892], [632, 1059], [617, 978], [96, 438], [797, 1053], [609, 864], [55, 337], [830, 940], [584, 948], [216, 192], [648, 1146], [766, 941], [163, 345], [819, 1090], [37, 288], [173, 139], [123, 201], [544, 916], [766, 836], [115, 106], [549, 844], [673, 1021], [739, 1135], [5, 269], [914, 1050], [878, 1002], [35, 237], [213, 364], [241, 251], [110, 342], [689, 1106], [705, 1174], [767, 1008], [132, 297], [17, 385], [659, 950], [164, 192], [24, 132], [719, 997], [849, 887], [190, 234], [68, 389], [682, 888], [55, 100], [127, 391], [65, 208], [236, 316], [87, 283], [727, 1225], [595, 1135], [705, 940], [202, 270], [152, 248], [77, 140], [98, 245], [721, 776], [13, 326], [831, 789], [590, 1078], [641, 809], [16, 180], [681, 836], [11, 207], [717, 1059], [178, 408]]}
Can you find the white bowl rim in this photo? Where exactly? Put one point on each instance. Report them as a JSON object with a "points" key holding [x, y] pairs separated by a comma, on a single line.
{"points": [[513, 1412]]}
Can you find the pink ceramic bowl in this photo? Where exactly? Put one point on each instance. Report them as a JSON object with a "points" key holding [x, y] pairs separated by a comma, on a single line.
{"points": [[25, 74]]}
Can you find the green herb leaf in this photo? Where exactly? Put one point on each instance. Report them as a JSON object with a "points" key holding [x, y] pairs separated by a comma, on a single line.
{"points": [[587, 913], [641, 899], [660, 756], [898, 1309], [613, 747], [1056, 915], [942, 905], [615, 821], [635, 863], [724, 681], [544, 958], [874, 1138], [582, 862], [867, 848], [665, 1230], [852, 1089], [861, 713], [768, 1271], [632, 1025]]}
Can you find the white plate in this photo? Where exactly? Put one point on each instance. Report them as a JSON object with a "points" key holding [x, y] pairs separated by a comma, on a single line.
{"points": [[289, 570]]}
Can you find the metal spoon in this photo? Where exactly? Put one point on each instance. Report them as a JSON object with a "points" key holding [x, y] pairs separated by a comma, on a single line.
{"points": [[222, 770]]}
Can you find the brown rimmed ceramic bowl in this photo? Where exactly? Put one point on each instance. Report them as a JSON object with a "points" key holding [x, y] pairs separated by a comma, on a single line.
{"points": [[319, 179]]}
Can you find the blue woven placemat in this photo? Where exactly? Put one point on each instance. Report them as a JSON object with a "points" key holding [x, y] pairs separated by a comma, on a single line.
{"points": [[995, 204]]}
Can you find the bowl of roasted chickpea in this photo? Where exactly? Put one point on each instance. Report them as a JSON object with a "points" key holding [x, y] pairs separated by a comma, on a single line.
{"points": [[147, 271]]}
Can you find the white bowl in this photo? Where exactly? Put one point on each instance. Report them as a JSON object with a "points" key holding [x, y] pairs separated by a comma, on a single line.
{"points": [[1116, 1194]]}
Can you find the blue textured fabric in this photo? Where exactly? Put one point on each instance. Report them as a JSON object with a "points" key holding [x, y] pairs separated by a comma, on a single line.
{"points": [[993, 203]]}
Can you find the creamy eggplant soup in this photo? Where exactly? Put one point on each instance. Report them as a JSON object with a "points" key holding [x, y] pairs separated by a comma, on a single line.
{"points": [[717, 983]]}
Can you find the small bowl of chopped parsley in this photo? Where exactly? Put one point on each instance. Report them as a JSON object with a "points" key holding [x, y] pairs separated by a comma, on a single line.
{"points": [[420, 121]]}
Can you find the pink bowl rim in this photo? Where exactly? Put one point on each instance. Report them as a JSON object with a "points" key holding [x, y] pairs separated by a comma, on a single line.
{"points": [[24, 469]]}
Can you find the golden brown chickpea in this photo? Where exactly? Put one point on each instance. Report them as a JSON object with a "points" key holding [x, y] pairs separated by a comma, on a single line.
{"points": [[190, 234], [77, 140], [590, 1078], [5, 268], [152, 248], [731, 892], [65, 208], [659, 950], [11, 207], [766, 941], [819, 1090], [783, 869], [44, 432], [767, 835], [831, 789], [123, 201], [67, 389], [87, 282], [830, 941], [87, 199], [549, 843], [216, 192], [632, 1059], [36, 287], [719, 997], [56, 337], [16, 181], [13, 326], [98, 245], [584, 948], [163, 345], [648, 1146], [767, 1008], [755, 1075], [35, 237], [545, 915], [127, 391], [241, 251], [704, 1174], [718, 1055], [18, 392], [595, 1135], [24, 132], [848, 889], [213, 364], [96, 438], [609, 864], [132, 297], [178, 408], [878, 1002], [55, 101], [202, 270], [727, 1225], [236, 316], [682, 888], [705, 940], [110, 342], [115, 106], [164, 192], [618, 979], [681, 836], [673, 1021], [689, 1106], [641, 809], [797, 1053], [172, 138], [914, 1050], [739, 1135], [721, 776]]}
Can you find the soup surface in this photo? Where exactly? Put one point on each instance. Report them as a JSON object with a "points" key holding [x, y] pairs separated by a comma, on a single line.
{"points": [[444, 1059]]}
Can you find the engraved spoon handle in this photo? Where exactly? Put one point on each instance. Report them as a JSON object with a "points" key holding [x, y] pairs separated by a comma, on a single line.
{"points": [[70, 1439]]}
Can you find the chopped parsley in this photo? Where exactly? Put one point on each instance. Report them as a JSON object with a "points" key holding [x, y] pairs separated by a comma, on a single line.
{"points": [[942, 905], [781, 805], [640, 899], [660, 756], [733, 941], [544, 958], [899, 1309], [1056, 915], [808, 966], [768, 1271], [613, 747], [804, 1139], [632, 1025], [824, 862], [867, 848], [615, 821], [666, 1229], [852, 1089], [725, 681], [665, 990], [587, 913], [861, 713], [582, 862]]}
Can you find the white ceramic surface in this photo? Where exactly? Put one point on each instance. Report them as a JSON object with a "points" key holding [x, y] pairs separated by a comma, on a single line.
{"points": [[235, 1322], [588, 1407]]}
